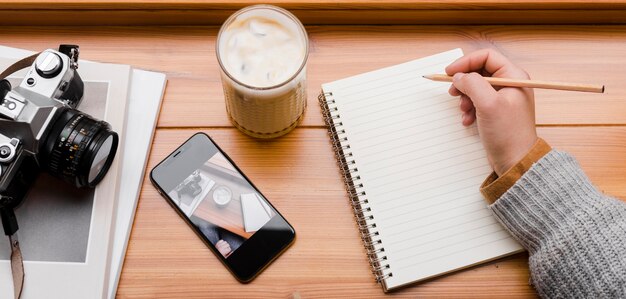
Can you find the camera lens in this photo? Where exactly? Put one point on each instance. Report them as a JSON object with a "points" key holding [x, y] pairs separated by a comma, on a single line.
{"points": [[101, 158], [79, 148]]}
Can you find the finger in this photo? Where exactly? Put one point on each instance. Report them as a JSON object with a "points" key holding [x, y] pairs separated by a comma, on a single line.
{"points": [[466, 104], [476, 88], [469, 117], [487, 59], [453, 91], [487, 62]]}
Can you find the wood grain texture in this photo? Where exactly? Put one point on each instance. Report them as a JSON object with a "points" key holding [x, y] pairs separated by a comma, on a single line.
{"points": [[136, 17], [214, 12], [314, 4], [194, 97], [299, 176]]}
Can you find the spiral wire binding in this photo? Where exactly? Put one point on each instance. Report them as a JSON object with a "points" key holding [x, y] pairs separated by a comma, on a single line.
{"points": [[358, 200]]}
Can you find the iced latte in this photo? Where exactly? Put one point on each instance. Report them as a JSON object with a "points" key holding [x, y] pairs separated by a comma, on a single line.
{"points": [[262, 51]]}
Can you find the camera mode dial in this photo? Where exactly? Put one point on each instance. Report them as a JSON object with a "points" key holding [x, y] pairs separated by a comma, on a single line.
{"points": [[48, 65], [7, 150]]}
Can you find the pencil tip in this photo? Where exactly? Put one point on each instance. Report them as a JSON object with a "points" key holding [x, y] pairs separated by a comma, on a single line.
{"points": [[602, 88]]}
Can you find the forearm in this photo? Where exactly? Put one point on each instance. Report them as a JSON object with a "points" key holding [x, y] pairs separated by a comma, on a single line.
{"points": [[576, 236]]}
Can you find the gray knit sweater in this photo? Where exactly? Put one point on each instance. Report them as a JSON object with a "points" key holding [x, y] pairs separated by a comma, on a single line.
{"points": [[575, 235]]}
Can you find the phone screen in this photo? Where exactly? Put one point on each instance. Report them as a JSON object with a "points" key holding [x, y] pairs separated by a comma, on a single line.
{"points": [[217, 199]]}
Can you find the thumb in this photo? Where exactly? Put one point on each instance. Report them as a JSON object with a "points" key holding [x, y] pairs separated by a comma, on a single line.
{"points": [[475, 87]]}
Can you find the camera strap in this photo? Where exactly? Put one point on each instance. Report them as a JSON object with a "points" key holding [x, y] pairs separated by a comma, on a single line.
{"points": [[20, 64], [17, 266], [17, 263]]}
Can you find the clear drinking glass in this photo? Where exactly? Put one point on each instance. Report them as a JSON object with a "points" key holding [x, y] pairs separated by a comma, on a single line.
{"points": [[262, 51]]}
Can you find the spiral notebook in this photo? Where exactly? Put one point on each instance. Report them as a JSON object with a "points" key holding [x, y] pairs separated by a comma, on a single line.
{"points": [[413, 172]]}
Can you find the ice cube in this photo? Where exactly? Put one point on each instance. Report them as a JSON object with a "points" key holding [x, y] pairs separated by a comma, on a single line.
{"points": [[257, 28]]}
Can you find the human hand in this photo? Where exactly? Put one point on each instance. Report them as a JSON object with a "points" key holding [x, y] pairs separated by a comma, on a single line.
{"points": [[505, 116], [223, 247]]}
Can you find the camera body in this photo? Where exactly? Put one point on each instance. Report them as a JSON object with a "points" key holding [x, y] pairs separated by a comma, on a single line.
{"points": [[190, 186], [41, 129]]}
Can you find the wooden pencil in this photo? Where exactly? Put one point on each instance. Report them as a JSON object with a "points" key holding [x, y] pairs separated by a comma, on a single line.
{"points": [[528, 83]]}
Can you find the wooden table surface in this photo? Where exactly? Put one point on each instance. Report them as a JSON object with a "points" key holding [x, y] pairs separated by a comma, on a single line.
{"points": [[298, 172]]}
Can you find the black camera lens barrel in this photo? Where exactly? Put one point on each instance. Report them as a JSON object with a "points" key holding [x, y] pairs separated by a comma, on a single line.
{"points": [[5, 87], [73, 145]]}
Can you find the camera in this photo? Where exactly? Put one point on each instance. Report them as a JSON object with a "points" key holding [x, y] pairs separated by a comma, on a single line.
{"points": [[190, 186], [41, 129]]}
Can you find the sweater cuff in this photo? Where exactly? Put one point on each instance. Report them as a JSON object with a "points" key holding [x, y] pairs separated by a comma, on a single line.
{"points": [[493, 187], [574, 234], [549, 199]]}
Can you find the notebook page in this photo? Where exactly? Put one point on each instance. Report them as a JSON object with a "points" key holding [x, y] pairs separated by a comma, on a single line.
{"points": [[421, 170]]}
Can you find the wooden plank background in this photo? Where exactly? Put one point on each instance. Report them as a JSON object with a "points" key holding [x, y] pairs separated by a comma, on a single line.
{"points": [[298, 172], [214, 12]]}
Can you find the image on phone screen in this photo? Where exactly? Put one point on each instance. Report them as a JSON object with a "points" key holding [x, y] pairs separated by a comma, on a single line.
{"points": [[221, 203]]}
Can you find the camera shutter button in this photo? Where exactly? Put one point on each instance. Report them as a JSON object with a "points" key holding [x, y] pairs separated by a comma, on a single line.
{"points": [[48, 64]]}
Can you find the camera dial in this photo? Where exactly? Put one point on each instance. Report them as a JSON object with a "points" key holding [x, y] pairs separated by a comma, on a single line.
{"points": [[48, 64], [8, 149], [5, 152]]}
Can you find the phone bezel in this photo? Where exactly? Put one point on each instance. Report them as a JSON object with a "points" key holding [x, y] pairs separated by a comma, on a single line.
{"points": [[234, 262]]}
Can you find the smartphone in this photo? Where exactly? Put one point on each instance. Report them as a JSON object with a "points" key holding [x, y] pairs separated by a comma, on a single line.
{"points": [[222, 206]]}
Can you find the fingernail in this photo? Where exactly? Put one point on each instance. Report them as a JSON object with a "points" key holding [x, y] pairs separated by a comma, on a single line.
{"points": [[457, 76]]}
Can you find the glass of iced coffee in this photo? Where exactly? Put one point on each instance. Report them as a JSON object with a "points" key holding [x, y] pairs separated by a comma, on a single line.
{"points": [[262, 52]]}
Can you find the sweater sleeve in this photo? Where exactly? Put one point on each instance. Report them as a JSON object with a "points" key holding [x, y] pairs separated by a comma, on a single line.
{"points": [[575, 235]]}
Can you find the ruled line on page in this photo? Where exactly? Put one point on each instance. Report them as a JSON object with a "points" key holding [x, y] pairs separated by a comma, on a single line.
{"points": [[391, 211], [413, 191], [499, 237], [410, 113], [384, 164], [468, 226], [408, 165]]}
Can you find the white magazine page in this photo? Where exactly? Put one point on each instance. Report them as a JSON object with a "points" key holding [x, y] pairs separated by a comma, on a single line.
{"points": [[143, 110], [65, 232]]}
